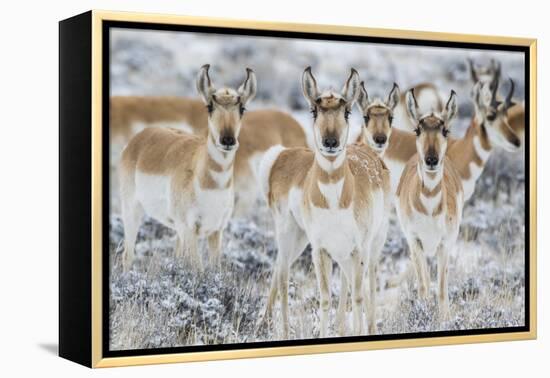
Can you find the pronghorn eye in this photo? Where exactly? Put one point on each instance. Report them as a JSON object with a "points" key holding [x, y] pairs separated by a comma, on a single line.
{"points": [[417, 131], [366, 118], [242, 109], [210, 108], [445, 132], [390, 119], [346, 114], [314, 112]]}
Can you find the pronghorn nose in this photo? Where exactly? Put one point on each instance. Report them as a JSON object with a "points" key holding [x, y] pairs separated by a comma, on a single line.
{"points": [[330, 142], [380, 139], [228, 140], [432, 160]]}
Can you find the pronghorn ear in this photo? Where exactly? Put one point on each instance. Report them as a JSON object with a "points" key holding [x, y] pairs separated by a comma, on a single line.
{"points": [[248, 89], [351, 87], [473, 73], [363, 97], [393, 97], [451, 108], [309, 86], [412, 106], [204, 84]]}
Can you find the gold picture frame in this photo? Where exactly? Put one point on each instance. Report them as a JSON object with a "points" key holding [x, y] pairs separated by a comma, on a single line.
{"points": [[92, 25]]}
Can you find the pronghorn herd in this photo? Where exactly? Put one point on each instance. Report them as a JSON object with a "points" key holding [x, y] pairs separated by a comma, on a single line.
{"points": [[194, 161]]}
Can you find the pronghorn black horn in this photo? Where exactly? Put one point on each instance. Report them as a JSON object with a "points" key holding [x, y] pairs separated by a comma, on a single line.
{"points": [[496, 75], [493, 85], [508, 102], [496, 67], [473, 74]]}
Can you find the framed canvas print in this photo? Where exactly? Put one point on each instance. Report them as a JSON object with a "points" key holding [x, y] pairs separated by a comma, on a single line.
{"points": [[235, 189]]}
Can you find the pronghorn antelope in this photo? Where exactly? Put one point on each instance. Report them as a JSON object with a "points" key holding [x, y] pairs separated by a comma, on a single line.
{"points": [[491, 74], [489, 126], [186, 181], [260, 130], [336, 197], [429, 197]]}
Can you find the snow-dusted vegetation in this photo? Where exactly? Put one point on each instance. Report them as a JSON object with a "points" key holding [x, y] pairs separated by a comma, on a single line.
{"points": [[163, 302]]}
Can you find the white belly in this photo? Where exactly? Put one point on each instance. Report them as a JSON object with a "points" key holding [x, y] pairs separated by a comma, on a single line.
{"points": [[153, 193], [430, 231], [211, 209], [335, 230]]}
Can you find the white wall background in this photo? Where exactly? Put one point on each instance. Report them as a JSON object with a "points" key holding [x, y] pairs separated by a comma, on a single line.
{"points": [[29, 186]]}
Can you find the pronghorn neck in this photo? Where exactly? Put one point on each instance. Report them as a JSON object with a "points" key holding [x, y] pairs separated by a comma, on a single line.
{"points": [[430, 194], [477, 137], [216, 172], [329, 184], [430, 180], [330, 169]]}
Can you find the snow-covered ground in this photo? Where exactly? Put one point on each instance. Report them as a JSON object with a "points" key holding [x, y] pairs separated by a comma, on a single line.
{"points": [[162, 302]]}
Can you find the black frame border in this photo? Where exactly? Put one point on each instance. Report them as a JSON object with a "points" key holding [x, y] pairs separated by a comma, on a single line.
{"points": [[108, 25]]}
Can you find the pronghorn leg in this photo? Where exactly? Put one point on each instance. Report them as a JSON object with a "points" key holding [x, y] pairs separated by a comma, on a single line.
{"points": [[282, 280], [188, 246], [342, 304], [320, 261], [291, 242], [267, 313], [419, 261], [442, 271], [357, 293], [371, 298], [372, 268], [132, 212], [214, 248]]}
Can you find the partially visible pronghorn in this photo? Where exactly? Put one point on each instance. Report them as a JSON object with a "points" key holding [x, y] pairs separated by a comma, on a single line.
{"points": [[429, 197], [428, 98], [131, 114], [490, 126], [336, 197], [182, 180], [491, 74], [377, 118], [260, 130]]}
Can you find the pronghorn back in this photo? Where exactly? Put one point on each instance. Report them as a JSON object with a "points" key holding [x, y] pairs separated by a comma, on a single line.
{"points": [[129, 113], [161, 151]]}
